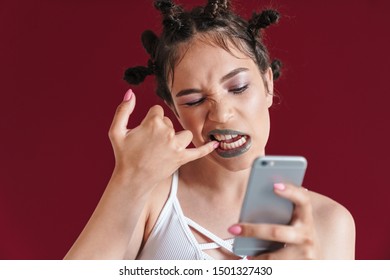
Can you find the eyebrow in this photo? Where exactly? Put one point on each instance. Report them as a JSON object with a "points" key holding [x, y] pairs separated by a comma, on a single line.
{"points": [[229, 75]]}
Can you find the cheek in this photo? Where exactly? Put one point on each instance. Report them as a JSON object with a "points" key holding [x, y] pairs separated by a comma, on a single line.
{"points": [[192, 121], [256, 104], [256, 110]]}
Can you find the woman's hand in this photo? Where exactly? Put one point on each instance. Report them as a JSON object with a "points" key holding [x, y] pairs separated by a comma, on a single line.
{"points": [[151, 150], [300, 237]]}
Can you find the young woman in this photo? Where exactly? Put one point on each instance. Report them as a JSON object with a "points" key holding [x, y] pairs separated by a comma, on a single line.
{"points": [[167, 201]]}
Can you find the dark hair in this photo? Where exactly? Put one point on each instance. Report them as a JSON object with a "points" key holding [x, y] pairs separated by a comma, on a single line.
{"points": [[216, 24]]}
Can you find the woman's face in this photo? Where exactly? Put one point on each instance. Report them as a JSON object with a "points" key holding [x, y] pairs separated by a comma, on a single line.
{"points": [[222, 96]]}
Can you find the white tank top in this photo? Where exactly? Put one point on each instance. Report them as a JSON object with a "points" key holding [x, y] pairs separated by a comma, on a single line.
{"points": [[172, 239]]}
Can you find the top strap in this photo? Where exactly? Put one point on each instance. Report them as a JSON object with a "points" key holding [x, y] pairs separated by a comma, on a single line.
{"points": [[175, 180], [227, 244]]}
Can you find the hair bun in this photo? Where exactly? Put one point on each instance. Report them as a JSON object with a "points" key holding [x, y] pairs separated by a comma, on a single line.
{"points": [[171, 14], [216, 7], [136, 75], [276, 66], [268, 17], [263, 20], [164, 6]]}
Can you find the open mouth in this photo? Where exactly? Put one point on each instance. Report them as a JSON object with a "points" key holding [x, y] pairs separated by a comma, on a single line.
{"points": [[231, 143]]}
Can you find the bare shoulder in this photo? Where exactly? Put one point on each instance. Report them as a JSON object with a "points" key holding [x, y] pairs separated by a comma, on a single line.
{"points": [[329, 210], [335, 227]]}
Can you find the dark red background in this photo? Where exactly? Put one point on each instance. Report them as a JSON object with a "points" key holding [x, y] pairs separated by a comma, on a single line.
{"points": [[61, 64]]}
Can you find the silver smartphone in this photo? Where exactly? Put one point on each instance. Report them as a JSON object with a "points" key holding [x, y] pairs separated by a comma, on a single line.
{"points": [[262, 205]]}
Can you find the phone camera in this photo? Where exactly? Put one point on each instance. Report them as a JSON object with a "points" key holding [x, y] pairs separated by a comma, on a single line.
{"points": [[267, 163]]}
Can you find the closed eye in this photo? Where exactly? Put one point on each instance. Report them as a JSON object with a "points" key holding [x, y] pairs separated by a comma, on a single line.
{"points": [[196, 102], [239, 90]]}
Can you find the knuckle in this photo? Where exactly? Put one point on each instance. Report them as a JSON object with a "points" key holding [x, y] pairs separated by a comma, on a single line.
{"points": [[276, 233], [155, 120], [307, 247], [186, 136], [155, 109], [248, 230], [167, 121], [308, 241], [304, 198], [189, 133], [121, 107], [171, 133], [112, 135], [308, 253]]}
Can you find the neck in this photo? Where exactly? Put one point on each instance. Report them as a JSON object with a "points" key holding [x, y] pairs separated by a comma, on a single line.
{"points": [[214, 178]]}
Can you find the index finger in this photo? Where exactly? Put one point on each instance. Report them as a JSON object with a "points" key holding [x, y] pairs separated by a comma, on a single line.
{"points": [[272, 232], [199, 152]]}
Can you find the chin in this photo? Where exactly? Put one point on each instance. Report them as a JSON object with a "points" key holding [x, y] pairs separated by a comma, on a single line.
{"points": [[236, 163]]}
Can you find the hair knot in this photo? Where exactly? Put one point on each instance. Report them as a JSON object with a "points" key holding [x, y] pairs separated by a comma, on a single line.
{"points": [[276, 66], [216, 8], [152, 66], [164, 6], [136, 75], [171, 14], [262, 20]]}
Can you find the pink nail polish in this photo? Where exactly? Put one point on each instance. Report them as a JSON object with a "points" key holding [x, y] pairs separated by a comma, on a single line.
{"points": [[216, 144], [279, 186], [129, 94], [236, 229]]}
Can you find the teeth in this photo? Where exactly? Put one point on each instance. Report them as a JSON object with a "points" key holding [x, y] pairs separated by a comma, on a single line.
{"points": [[233, 145], [224, 137]]}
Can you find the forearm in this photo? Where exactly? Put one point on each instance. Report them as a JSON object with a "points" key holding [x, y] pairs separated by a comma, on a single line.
{"points": [[113, 223]]}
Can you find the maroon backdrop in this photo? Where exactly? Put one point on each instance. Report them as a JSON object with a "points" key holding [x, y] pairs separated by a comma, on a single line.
{"points": [[61, 64]]}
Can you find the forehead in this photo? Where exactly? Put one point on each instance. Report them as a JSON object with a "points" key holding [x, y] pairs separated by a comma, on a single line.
{"points": [[205, 60]]}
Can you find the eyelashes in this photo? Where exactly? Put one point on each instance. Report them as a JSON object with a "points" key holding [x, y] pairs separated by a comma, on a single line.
{"points": [[235, 91], [239, 90], [196, 102]]}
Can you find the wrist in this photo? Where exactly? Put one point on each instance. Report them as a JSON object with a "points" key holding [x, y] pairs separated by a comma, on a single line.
{"points": [[132, 181]]}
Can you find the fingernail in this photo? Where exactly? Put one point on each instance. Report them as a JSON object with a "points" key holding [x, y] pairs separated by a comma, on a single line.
{"points": [[236, 229], [279, 186], [129, 94], [216, 144], [249, 258]]}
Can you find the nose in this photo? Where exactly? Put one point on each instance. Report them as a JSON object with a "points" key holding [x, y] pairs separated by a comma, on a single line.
{"points": [[220, 111]]}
